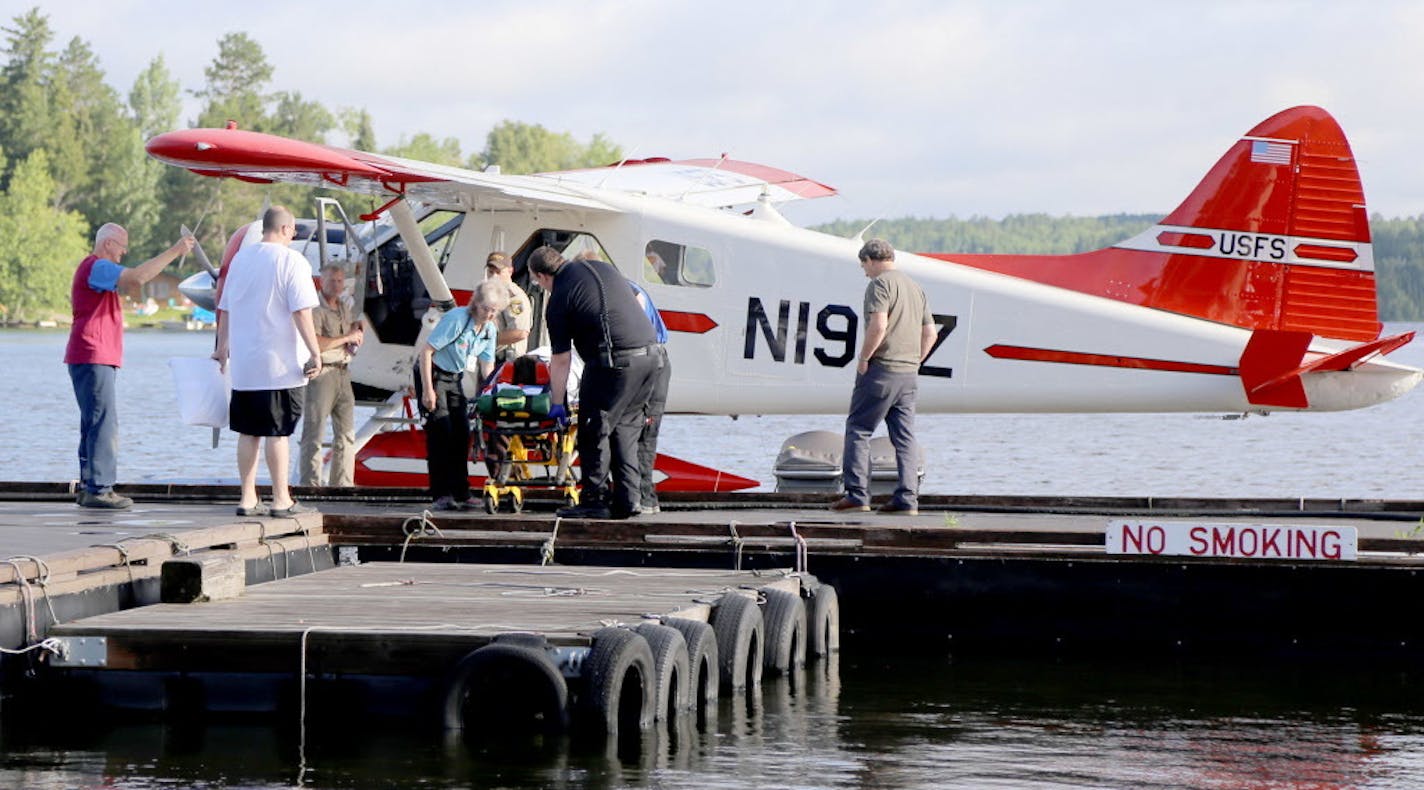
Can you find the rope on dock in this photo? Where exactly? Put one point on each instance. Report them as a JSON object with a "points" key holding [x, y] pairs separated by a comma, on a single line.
{"points": [[123, 555], [175, 545], [546, 552], [272, 554], [50, 645], [27, 595], [424, 528], [736, 546]]}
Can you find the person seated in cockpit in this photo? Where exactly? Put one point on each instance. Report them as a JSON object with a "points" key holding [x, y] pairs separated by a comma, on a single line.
{"points": [[655, 269]]}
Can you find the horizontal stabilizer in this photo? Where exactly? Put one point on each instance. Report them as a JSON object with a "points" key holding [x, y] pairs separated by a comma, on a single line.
{"points": [[1271, 366]]}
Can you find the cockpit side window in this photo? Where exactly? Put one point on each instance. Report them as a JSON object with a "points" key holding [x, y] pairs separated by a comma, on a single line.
{"points": [[669, 263]]}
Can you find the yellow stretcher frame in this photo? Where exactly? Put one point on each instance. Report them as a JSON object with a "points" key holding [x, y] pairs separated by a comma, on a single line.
{"points": [[517, 455]]}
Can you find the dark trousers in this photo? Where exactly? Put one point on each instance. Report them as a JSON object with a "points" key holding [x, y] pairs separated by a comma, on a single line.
{"points": [[882, 396], [96, 390], [611, 404], [653, 421], [447, 437]]}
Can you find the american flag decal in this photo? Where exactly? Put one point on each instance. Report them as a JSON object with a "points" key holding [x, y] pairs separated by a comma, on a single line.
{"points": [[1270, 153]]}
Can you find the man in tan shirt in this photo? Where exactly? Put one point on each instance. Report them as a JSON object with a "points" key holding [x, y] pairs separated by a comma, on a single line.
{"points": [[899, 334], [516, 319], [338, 333]]}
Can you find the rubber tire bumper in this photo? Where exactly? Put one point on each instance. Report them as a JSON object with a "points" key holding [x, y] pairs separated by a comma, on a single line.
{"points": [[737, 624], [619, 688], [785, 618], [670, 668]]}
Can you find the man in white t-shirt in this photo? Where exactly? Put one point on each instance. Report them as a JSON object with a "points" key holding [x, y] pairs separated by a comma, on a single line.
{"points": [[267, 336]]}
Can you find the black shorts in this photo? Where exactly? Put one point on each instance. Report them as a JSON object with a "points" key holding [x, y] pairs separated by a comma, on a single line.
{"points": [[265, 412]]}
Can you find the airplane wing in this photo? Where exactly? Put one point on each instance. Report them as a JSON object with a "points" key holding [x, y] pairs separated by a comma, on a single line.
{"points": [[265, 158], [714, 183]]}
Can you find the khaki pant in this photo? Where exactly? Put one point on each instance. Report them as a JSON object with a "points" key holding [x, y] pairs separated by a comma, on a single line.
{"points": [[329, 395]]}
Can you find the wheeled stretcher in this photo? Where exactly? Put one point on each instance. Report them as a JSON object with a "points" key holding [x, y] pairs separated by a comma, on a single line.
{"points": [[524, 448]]}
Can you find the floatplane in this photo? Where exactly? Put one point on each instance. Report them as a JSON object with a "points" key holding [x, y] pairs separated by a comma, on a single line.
{"points": [[1256, 294]]}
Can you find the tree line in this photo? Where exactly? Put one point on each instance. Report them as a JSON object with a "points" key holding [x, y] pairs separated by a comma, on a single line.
{"points": [[1398, 244], [72, 155], [72, 158]]}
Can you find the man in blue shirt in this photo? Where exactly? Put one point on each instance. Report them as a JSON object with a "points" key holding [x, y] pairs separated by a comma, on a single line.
{"points": [[657, 402]]}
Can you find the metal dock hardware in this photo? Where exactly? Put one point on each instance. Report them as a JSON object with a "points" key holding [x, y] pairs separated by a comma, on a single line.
{"points": [[81, 651]]}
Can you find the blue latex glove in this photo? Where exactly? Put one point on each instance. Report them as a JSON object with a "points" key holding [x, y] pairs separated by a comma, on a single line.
{"points": [[559, 414]]}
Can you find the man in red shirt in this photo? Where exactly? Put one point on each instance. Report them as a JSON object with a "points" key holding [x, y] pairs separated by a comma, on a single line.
{"points": [[95, 352]]}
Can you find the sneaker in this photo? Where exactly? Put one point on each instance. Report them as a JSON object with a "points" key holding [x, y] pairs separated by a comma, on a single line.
{"points": [[107, 501], [445, 503], [590, 510], [848, 505], [899, 508]]}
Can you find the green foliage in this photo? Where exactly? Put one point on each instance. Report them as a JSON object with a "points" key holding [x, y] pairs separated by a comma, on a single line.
{"points": [[530, 148], [1024, 234], [427, 149], [154, 100], [39, 246], [236, 80], [359, 128]]}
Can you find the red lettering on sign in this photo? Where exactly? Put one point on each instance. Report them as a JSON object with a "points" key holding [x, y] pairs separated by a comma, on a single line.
{"points": [[1132, 538], [1197, 535], [1269, 546], [1223, 541], [1156, 540], [1330, 544]]}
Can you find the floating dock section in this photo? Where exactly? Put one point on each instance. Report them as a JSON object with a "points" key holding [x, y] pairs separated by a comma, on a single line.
{"points": [[467, 646]]}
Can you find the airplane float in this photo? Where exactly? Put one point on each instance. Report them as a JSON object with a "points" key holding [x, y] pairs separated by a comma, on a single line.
{"points": [[1256, 294]]}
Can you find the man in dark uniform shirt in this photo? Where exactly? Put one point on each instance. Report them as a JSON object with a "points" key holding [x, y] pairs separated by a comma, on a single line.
{"points": [[592, 309]]}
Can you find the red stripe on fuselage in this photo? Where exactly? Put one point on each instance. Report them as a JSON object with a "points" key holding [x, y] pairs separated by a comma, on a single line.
{"points": [[1104, 360], [695, 323]]}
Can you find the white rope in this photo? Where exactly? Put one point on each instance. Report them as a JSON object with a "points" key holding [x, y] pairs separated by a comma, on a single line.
{"points": [[50, 645], [424, 528], [546, 552]]}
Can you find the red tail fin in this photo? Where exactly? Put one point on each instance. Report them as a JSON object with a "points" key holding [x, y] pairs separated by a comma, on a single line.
{"points": [[1275, 237]]}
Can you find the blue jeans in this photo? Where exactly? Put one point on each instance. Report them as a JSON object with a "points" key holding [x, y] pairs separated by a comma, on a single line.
{"points": [[879, 395], [96, 390]]}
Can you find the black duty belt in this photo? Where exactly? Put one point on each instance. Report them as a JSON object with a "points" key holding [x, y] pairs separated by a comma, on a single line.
{"points": [[626, 353]]}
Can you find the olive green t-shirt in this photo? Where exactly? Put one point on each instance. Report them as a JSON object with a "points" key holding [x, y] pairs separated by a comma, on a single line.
{"points": [[906, 310]]}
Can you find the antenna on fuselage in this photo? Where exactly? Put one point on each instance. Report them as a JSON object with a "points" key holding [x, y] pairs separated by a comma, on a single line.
{"points": [[618, 166], [710, 170]]}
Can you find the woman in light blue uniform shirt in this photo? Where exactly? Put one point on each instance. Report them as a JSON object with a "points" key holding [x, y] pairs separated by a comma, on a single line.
{"points": [[460, 336]]}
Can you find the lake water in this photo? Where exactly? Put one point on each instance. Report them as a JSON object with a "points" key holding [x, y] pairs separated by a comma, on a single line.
{"points": [[1371, 453], [872, 720]]}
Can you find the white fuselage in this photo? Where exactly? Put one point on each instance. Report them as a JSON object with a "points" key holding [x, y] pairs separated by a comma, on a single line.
{"points": [[787, 308]]}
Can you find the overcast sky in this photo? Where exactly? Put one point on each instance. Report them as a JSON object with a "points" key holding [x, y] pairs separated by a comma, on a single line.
{"points": [[927, 109]]}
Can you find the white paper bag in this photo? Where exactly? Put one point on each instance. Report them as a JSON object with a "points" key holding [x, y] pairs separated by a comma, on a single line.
{"points": [[203, 391]]}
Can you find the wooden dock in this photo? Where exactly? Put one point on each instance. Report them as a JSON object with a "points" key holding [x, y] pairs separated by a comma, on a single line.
{"points": [[967, 573], [64, 562]]}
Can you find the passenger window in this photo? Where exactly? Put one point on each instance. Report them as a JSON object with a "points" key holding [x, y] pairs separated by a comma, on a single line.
{"points": [[666, 263]]}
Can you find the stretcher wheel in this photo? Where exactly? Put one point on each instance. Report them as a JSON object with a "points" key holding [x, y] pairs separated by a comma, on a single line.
{"points": [[491, 504], [571, 499], [516, 504]]}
